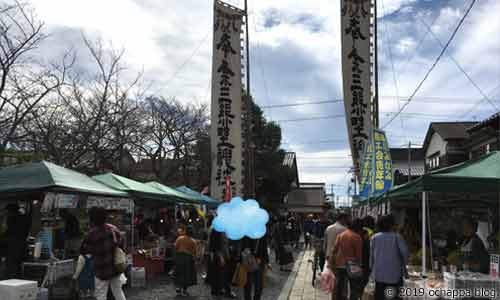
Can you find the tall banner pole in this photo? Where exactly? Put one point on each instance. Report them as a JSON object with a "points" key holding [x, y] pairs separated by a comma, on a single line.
{"points": [[357, 74], [226, 106], [376, 123]]}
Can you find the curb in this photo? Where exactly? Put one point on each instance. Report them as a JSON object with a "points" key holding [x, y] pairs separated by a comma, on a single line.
{"points": [[287, 289]]}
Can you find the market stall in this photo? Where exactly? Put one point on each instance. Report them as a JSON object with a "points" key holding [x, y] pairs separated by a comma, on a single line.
{"points": [[472, 190], [50, 195], [147, 255]]}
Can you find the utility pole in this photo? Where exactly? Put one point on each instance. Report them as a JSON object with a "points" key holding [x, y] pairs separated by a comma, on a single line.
{"points": [[409, 161], [250, 160]]}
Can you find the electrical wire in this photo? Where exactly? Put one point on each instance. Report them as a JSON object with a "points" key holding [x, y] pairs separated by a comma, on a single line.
{"points": [[459, 66], [310, 119], [420, 42], [301, 104], [185, 62], [391, 58], [479, 102], [455, 31]]}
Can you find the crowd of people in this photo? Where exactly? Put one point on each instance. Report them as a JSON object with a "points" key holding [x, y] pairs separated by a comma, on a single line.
{"points": [[356, 249]]}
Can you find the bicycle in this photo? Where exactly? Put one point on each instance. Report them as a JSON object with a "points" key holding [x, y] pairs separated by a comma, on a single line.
{"points": [[318, 252]]}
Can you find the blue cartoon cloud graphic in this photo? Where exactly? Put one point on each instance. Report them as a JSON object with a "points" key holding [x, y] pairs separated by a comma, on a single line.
{"points": [[240, 218]]}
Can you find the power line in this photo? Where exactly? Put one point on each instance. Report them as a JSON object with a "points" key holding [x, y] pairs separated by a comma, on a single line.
{"points": [[391, 58], [325, 167], [421, 41], [459, 66], [319, 142], [434, 64], [478, 103], [195, 51], [325, 157], [432, 99], [310, 119], [301, 104]]}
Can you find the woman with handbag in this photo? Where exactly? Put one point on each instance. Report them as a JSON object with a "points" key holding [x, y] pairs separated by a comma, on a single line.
{"points": [[218, 273], [346, 262], [104, 244], [388, 259], [255, 259]]}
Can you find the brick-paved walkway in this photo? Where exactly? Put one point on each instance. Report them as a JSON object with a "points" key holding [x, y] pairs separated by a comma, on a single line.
{"points": [[302, 288], [163, 288]]}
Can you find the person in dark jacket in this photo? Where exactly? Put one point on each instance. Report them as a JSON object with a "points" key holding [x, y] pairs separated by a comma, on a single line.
{"points": [[255, 279], [18, 228], [474, 255], [218, 274]]}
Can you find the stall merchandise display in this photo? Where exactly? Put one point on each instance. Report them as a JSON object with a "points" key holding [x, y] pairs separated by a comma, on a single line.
{"points": [[152, 260], [15, 289]]}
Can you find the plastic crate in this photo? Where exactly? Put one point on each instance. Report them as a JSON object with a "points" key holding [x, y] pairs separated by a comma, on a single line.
{"points": [[137, 277], [16, 289], [63, 268]]}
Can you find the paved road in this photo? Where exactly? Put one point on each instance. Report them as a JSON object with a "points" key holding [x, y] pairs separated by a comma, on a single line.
{"points": [[302, 288], [163, 287]]}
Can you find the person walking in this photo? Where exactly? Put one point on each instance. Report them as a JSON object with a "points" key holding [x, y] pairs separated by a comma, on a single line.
{"points": [[103, 239], [284, 255], [218, 275], [84, 273], [333, 231], [346, 252], [388, 258], [185, 251], [319, 234], [255, 250], [308, 230]]}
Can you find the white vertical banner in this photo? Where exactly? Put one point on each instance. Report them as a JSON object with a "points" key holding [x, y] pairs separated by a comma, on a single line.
{"points": [[225, 130], [356, 72]]}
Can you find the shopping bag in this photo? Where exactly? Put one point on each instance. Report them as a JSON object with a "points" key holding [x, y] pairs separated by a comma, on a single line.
{"points": [[327, 280], [240, 276]]}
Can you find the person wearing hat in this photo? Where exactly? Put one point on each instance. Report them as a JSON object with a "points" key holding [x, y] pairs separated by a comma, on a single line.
{"points": [[18, 228]]}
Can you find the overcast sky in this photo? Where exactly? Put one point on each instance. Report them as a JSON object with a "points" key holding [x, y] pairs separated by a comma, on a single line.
{"points": [[295, 57]]}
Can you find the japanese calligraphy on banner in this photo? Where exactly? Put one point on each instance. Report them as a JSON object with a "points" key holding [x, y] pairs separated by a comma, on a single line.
{"points": [[225, 131], [366, 172], [356, 72], [376, 168]]}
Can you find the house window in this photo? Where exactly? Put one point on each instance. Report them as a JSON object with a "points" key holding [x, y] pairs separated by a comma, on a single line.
{"points": [[487, 148]]}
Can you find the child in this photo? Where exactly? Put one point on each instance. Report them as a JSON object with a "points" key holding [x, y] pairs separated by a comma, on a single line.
{"points": [[85, 273]]}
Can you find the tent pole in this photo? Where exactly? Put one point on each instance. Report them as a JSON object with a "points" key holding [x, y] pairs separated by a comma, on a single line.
{"points": [[424, 233]]}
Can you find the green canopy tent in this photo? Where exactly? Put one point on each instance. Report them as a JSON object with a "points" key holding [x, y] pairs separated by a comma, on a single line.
{"points": [[480, 176], [204, 199], [178, 195], [142, 193], [20, 180]]}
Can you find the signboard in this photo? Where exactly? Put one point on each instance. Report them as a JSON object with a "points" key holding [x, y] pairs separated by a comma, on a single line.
{"points": [[356, 72], [225, 131], [59, 200], [376, 171], [110, 203]]}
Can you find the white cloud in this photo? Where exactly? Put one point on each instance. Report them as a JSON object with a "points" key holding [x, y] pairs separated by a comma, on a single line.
{"points": [[297, 63]]}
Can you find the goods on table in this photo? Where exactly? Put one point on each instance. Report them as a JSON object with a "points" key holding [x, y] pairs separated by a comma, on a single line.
{"points": [[15, 289]]}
